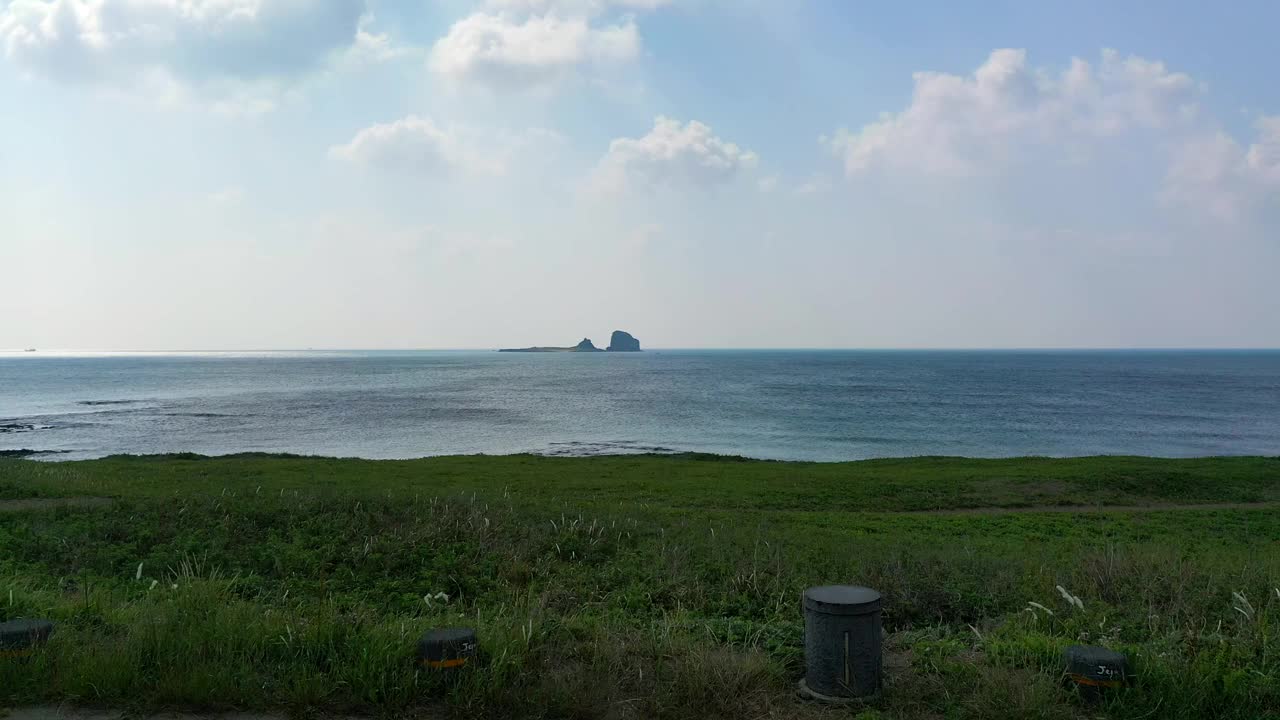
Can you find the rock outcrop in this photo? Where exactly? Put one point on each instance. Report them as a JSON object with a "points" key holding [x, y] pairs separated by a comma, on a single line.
{"points": [[623, 342]]}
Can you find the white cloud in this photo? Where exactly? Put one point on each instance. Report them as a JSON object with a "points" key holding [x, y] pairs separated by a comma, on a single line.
{"points": [[959, 126], [417, 145], [517, 44], [585, 7], [374, 47], [672, 153], [1263, 158], [501, 51], [1032, 127], [178, 43], [1227, 180]]}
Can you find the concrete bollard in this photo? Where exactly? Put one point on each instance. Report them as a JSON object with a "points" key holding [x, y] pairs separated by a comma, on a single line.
{"points": [[842, 643], [447, 648], [20, 638], [1095, 669]]}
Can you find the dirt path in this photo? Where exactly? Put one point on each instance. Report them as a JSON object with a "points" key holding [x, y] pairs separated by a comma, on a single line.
{"points": [[1093, 509], [28, 504]]}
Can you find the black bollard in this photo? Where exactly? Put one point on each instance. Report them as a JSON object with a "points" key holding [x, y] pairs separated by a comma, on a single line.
{"points": [[20, 638], [447, 648], [1095, 669], [842, 643]]}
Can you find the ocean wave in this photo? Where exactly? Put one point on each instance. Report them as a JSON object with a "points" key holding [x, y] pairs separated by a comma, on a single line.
{"points": [[580, 448], [16, 427], [28, 452], [95, 403]]}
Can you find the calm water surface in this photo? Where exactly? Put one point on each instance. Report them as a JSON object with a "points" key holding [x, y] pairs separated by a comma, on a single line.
{"points": [[811, 405]]}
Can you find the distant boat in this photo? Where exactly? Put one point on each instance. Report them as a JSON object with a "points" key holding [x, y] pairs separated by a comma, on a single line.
{"points": [[29, 350]]}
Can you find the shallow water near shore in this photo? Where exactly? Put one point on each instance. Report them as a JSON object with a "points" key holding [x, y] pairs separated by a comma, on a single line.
{"points": [[793, 405]]}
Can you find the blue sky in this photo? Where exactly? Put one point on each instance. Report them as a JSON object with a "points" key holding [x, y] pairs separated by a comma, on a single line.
{"points": [[233, 174]]}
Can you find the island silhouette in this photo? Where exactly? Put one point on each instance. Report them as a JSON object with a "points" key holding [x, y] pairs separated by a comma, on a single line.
{"points": [[620, 341]]}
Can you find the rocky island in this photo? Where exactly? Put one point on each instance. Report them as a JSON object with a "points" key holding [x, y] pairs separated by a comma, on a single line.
{"points": [[584, 346], [620, 342], [623, 342]]}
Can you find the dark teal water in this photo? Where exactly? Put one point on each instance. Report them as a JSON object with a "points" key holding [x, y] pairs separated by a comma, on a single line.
{"points": [[814, 405]]}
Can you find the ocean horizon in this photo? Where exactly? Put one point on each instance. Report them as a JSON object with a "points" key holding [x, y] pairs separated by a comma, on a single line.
{"points": [[81, 352]]}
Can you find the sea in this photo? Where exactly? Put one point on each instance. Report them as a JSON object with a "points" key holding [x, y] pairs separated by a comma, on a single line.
{"points": [[775, 404]]}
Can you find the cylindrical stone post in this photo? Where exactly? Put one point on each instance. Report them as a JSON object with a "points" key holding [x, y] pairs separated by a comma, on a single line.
{"points": [[445, 648], [21, 638], [842, 643]]}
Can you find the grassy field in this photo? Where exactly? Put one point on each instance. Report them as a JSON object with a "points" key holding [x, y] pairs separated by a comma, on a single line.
{"points": [[639, 587]]}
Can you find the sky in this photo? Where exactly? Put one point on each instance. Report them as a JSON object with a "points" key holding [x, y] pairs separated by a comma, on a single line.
{"points": [[260, 174]]}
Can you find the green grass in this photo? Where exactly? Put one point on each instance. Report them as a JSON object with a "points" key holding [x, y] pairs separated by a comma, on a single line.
{"points": [[638, 587]]}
